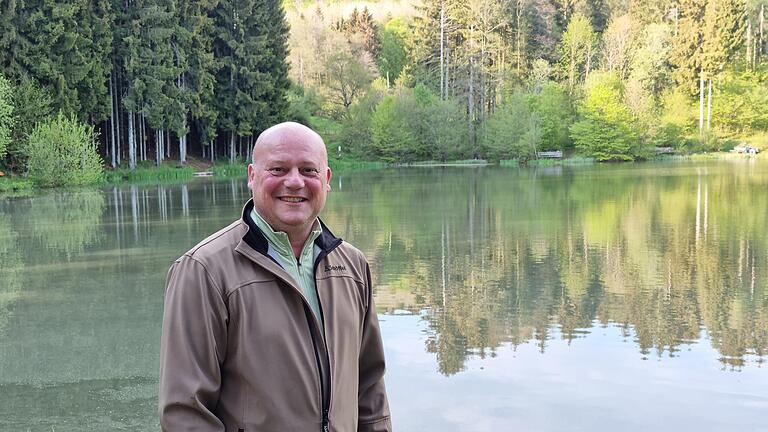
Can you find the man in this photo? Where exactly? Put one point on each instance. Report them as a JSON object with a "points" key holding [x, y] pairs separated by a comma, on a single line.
{"points": [[269, 324]]}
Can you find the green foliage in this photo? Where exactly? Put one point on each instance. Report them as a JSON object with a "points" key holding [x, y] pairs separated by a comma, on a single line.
{"points": [[708, 35], [6, 115], [303, 104], [577, 49], [678, 110], [146, 174], [513, 131], [391, 141], [31, 105], [650, 65], [393, 56], [413, 124], [348, 80], [605, 131], [250, 46], [740, 101], [65, 46], [15, 187], [355, 135], [62, 151], [555, 113], [230, 170], [66, 222]]}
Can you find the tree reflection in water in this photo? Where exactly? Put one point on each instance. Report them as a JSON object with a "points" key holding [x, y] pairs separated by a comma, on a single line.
{"points": [[671, 256]]}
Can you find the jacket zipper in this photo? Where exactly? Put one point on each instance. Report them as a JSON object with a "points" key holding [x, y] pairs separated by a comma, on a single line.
{"points": [[326, 393]]}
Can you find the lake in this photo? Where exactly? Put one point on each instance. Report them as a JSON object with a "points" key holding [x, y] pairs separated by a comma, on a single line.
{"points": [[594, 298]]}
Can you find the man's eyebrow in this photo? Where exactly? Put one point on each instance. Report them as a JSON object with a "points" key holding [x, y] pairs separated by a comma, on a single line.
{"points": [[301, 163]]}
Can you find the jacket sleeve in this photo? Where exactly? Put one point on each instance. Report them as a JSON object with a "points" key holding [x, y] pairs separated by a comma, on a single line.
{"points": [[373, 407], [192, 347]]}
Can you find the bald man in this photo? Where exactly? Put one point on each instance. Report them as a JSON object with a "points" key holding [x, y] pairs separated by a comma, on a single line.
{"points": [[269, 324]]}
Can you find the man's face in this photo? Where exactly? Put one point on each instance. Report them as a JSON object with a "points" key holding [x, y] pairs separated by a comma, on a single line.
{"points": [[289, 180]]}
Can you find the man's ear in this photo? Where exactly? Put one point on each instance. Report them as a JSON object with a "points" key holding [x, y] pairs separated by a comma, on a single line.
{"points": [[328, 178], [250, 174]]}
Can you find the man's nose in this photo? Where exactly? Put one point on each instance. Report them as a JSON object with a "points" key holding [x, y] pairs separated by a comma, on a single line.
{"points": [[293, 179]]}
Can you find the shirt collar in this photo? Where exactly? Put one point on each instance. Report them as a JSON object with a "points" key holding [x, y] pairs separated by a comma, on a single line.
{"points": [[279, 239]]}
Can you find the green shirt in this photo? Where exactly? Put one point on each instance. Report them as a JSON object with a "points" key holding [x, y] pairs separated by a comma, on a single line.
{"points": [[301, 269]]}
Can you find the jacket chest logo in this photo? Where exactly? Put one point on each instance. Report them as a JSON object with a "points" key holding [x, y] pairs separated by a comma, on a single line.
{"points": [[335, 268]]}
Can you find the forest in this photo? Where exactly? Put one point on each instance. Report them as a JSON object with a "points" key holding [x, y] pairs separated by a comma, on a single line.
{"points": [[156, 82]]}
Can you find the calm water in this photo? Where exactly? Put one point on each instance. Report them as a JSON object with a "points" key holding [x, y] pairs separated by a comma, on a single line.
{"points": [[631, 297]]}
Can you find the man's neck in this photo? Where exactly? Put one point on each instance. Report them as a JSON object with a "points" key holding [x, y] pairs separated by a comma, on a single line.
{"points": [[297, 237], [298, 245]]}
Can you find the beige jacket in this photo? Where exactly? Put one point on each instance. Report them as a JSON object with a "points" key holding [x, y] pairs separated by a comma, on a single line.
{"points": [[241, 350]]}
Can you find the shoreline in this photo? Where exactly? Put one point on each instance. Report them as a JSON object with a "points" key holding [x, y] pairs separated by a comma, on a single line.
{"points": [[14, 185]]}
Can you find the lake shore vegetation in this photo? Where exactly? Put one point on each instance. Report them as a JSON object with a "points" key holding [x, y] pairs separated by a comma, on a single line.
{"points": [[168, 83]]}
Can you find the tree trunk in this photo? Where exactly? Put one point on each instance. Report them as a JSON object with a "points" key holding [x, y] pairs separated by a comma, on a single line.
{"points": [[112, 118], [442, 50], [301, 70], [213, 150], [762, 26], [232, 147], [749, 42], [131, 142], [143, 130], [471, 105], [158, 147], [447, 70], [709, 103], [118, 121], [167, 144], [519, 15], [701, 102]]}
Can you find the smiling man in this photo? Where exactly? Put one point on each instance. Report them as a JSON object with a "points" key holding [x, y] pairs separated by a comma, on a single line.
{"points": [[269, 324]]}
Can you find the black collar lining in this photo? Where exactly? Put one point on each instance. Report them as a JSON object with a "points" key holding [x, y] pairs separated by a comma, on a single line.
{"points": [[326, 241]]}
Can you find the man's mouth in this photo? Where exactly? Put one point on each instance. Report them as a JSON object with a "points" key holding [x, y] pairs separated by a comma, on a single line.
{"points": [[292, 199]]}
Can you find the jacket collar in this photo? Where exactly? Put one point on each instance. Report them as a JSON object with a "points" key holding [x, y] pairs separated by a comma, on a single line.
{"points": [[326, 241]]}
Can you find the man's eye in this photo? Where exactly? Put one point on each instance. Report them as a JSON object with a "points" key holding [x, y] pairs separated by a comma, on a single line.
{"points": [[311, 171], [276, 170]]}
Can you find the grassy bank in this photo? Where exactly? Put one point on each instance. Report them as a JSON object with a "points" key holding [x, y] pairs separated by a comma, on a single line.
{"points": [[149, 174], [16, 187]]}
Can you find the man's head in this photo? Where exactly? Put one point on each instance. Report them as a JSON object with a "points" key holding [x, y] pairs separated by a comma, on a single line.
{"points": [[289, 178]]}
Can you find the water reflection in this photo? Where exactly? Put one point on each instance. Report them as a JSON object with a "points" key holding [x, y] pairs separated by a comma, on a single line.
{"points": [[10, 271], [664, 259], [491, 257], [63, 223]]}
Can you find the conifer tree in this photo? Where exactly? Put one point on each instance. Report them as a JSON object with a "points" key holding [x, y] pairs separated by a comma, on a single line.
{"points": [[13, 44], [152, 69], [686, 55], [198, 78], [250, 48], [64, 46]]}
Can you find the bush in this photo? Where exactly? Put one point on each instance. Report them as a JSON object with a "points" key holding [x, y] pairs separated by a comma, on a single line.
{"points": [[32, 105], [392, 140], [513, 130], [605, 131], [62, 151], [6, 115], [414, 124], [555, 114]]}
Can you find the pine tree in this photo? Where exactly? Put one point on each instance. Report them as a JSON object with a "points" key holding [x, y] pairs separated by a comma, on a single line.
{"points": [[251, 48], [64, 46], [13, 44], [686, 55], [152, 68], [199, 77]]}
